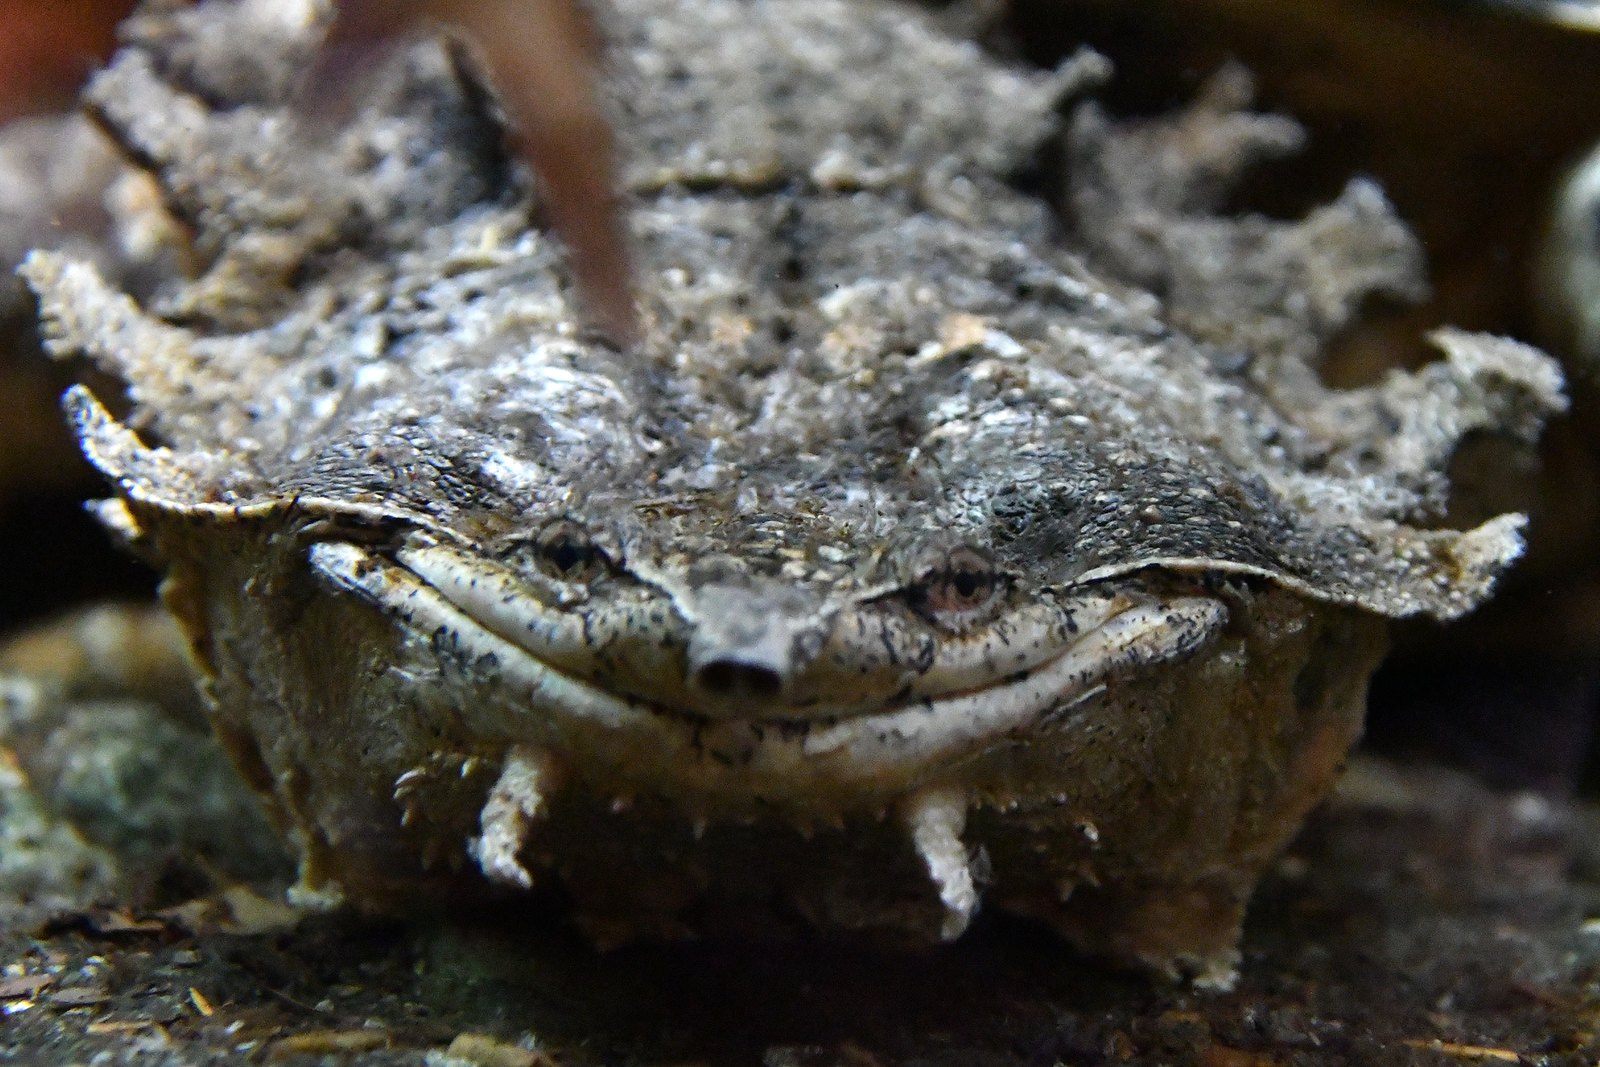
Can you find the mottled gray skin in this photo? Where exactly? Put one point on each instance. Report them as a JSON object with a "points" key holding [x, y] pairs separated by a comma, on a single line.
{"points": [[920, 555]]}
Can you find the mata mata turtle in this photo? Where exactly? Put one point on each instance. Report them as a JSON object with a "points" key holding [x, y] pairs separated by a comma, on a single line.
{"points": [[1481, 119], [910, 561]]}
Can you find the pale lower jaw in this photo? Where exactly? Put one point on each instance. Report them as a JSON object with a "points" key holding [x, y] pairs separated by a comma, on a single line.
{"points": [[871, 660], [778, 761]]}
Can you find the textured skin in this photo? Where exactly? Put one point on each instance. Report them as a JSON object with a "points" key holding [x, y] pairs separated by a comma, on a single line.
{"points": [[920, 555]]}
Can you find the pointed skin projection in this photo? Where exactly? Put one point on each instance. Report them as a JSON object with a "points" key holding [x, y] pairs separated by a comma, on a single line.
{"points": [[936, 820], [935, 546], [516, 803]]}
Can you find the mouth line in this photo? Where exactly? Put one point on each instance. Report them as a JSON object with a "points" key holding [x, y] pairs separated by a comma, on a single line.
{"points": [[593, 723], [867, 665]]}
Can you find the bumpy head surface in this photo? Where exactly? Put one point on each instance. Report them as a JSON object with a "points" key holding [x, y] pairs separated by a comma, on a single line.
{"points": [[908, 465]]}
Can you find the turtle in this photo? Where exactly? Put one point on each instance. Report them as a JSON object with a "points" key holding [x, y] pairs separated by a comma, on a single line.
{"points": [[1477, 116], [917, 557]]}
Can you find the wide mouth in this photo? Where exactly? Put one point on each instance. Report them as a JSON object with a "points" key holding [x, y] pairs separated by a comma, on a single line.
{"points": [[504, 687], [868, 653]]}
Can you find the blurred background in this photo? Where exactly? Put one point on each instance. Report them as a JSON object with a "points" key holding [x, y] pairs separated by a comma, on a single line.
{"points": [[48, 48], [46, 51]]}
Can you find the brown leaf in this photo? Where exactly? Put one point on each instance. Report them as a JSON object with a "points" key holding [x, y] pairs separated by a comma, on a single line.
{"points": [[327, 1042], [484, 1051], [78, 996], [24, 986], [236, 909]]}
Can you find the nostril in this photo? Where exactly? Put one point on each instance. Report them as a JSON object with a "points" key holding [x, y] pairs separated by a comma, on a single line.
{"points": [[732, 678]]}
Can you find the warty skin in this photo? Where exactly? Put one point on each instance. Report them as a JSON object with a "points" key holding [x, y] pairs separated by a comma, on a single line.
{"points": [[917, 557]]}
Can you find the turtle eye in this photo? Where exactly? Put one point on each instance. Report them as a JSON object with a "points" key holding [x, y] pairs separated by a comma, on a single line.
{"points": [[955, 588], [566, 551]]}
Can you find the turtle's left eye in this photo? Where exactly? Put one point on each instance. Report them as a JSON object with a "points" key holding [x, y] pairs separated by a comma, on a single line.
{"points": [[566, 551], [957, 587]]}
